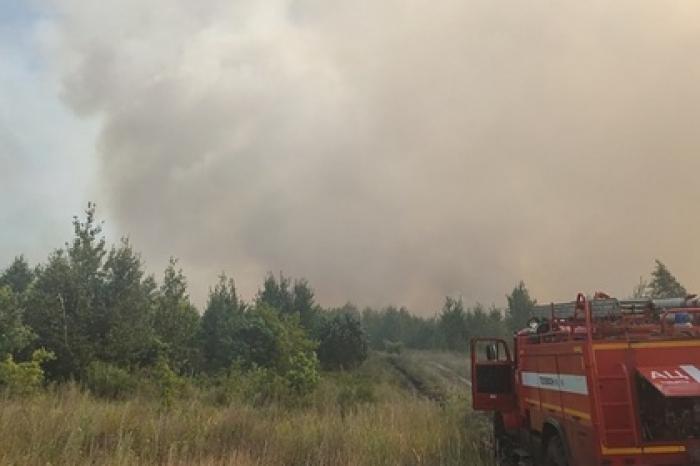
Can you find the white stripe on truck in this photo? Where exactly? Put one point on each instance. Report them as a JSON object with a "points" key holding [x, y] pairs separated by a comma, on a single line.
{"points": [[557, 382], [692, 371]]}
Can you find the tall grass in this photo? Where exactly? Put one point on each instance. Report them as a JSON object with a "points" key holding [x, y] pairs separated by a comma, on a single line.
{"points": [[377, 423]]}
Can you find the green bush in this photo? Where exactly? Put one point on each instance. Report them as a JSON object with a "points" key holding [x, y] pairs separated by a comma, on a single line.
{"points": [[168, 383], [281, 364], [302, 377], [108, 381], [261, 386], [25, 377]]}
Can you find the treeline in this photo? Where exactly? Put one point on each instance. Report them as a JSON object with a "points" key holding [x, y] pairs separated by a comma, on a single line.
{"points": [[91, 312], [449, 329], [455, 324]]}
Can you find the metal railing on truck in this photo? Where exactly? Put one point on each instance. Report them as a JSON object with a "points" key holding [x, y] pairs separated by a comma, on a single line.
{"points": [[609, 307]]}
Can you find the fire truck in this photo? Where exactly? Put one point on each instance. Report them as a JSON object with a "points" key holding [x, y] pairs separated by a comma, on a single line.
{"points": [[595, 381]]}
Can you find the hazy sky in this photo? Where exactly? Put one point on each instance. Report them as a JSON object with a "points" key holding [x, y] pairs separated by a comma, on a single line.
{"points": [[389, 151]]}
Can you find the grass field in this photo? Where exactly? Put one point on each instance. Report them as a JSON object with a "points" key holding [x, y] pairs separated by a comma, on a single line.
{"points": [[408, 409]]}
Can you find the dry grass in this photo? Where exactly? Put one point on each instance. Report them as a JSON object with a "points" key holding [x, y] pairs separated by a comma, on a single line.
{"points": [[67, 426]]}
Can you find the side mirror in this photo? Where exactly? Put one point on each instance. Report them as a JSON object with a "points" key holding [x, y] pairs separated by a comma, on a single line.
{"points": [[491, 352]]}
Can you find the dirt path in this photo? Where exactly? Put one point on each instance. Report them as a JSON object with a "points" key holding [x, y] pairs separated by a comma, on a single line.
{"points": [[416, 382], [426, 375]]}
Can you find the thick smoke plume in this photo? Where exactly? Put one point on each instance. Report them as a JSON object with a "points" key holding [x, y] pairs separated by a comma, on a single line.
{"points": [[395, 151]]}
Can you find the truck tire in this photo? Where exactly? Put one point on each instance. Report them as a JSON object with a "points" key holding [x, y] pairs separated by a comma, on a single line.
{"points": [[555, 455], [502, 444], [501, 453]]}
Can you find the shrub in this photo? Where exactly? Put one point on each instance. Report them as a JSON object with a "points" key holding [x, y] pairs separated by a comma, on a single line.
{"points": [[302, 376], [281, 358], [25, 377], [275, 360], [108, 381], [261, 385]]}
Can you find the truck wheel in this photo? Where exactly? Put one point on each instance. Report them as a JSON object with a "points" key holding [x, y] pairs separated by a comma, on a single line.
{"points": [[555, 453], [503, 455], [502, 445]]}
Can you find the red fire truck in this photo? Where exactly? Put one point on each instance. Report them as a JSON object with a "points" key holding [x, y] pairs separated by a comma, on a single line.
{"points": [[595, 381]]}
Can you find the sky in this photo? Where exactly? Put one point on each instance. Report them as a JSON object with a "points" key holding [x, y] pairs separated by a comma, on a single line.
{"points": [[388, 151], [47, 153]]}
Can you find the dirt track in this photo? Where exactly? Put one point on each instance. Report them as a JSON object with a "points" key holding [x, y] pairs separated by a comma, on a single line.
{"points": [[450, 373], [433, 375]]}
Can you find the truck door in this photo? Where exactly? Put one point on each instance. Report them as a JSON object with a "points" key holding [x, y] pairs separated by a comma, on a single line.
{"points": [[492, 375]]}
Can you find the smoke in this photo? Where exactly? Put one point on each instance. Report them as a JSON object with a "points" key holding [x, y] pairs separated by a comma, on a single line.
{"points": [[395, 151]]}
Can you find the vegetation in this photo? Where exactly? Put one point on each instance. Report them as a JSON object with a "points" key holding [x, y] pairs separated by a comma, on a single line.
{"points": [[450, 329], [23, 378], [102, 364], [365, 417], [520, 307], [14, 335], [97, 311], [342, 342], [662, 284]]}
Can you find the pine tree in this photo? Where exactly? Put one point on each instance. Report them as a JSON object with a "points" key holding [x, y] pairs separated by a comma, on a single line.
{"points": [[177, 320], [222, 317], [51, 314], [304, 305], [342, 342], [65, 307], [277, 294], [663, 284], [453, 324], [520, 307], [128, 301], [290, 299], [90, 304], [17, 276], [14, 335]]}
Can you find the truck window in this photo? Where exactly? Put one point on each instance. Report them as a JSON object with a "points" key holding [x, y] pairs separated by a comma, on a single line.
{"points": [[491, 351], [494, 373]]}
